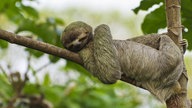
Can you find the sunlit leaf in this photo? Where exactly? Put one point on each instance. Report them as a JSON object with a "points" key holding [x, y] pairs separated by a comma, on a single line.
{"points": [[3, 44], [14, 14], [59, 21], [74, 66], [30, 11], [2, 5], [46, 80], [31, 88], [53, 93], [6, 90]]}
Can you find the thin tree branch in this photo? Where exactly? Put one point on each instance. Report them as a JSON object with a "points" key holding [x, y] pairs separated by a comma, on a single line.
{"points": [[42, 67], [28, 63], [40, 46]]}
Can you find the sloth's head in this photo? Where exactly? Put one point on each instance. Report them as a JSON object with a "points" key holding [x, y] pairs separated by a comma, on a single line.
{"points": [[76, 35]]}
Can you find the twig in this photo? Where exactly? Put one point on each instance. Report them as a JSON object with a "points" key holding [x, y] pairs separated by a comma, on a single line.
{"points": [[44, 66], [27, 70], [28, 63]]}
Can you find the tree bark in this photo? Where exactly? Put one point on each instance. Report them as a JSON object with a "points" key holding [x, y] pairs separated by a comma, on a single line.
{"points": [[173, 16]]}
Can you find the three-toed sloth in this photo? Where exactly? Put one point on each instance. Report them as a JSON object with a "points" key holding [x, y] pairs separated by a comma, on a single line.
{"points": [[156, 69]]}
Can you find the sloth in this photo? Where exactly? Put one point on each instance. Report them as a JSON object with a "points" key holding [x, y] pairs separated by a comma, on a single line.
{"points": [[155, 66]]}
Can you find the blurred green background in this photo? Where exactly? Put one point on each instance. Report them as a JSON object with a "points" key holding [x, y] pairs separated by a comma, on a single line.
{"points": [[32, 79]]}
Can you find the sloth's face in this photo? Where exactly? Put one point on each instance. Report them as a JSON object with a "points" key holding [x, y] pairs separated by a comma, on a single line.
{"points": [[76, 39], [76, 35]]}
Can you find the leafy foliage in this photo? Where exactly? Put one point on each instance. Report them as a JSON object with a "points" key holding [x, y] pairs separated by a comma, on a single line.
{"points": [[3, 44], [76, 67], [27, 19], [156, 19]]}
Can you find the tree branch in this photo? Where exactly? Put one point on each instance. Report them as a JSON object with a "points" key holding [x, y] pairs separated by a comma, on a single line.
{"points": [[40, 46], [173, 16]]}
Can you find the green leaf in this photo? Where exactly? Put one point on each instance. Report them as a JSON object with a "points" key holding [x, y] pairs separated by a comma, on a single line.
{"points": [[6, 90], [55, 21], [59, 21], [35, 52], [53, 93], [14, 14], [53, 59], [186, 7], [3, 44], [74, 66], [46, 80], [154, 21], [31, 88], [2, 5], [146, 4], [30, 11]]}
